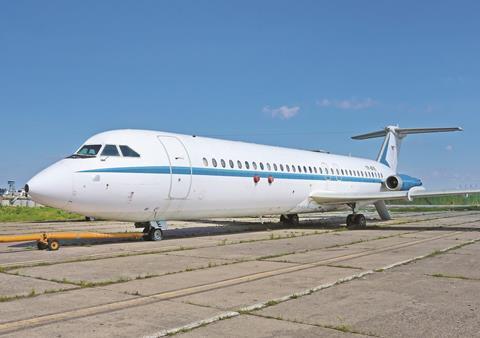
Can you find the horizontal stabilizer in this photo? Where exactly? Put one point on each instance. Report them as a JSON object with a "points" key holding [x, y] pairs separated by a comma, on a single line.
{"points": [[394, 135], [404, 131]]}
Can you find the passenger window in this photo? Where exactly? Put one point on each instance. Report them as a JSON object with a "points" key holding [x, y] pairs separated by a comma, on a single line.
{"points": [[293, 168], [342, 172], [287, 167], [338, 172], [320, 170], [269, 168], [304, 169], [247, 165], [222, 162], [239, 164], [110, 150], [310, 169], [254, 165], [275, 167], [231, 163], [89, 150], [214, 162], [281, 167], [205, 162], [261, 165], [128, 152], [299, 169], [315, 170]]}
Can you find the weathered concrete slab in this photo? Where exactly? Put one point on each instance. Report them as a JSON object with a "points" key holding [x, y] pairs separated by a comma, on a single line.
{"points": [[384, 304], [22, 255], [237, 296], [462, 263], [57, 303], [11, 285], [115, 269], [130, 322], [315, 256], [282, 246], [254, 326], [392, 304], [385, 258], [167, 283]]}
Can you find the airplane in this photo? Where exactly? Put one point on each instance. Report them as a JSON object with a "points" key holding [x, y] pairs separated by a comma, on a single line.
{"points": [[150, 177]]}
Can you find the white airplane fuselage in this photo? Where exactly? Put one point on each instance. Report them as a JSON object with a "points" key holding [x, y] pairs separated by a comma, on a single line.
{"points": [[171, 180]]}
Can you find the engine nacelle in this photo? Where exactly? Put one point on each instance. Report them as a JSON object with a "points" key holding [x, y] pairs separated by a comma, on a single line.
{"points": [[401, 182], [394, 183]]}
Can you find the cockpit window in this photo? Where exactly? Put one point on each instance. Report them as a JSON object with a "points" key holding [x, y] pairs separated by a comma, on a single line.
{"points": [[89, 150], [110, 150], [128, 152]]}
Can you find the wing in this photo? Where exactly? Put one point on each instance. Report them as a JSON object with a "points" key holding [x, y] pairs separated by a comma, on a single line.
{"points": [[330, 197]]}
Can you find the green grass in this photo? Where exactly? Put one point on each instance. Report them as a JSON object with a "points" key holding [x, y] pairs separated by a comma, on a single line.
{"points": [[37, 214], [473, 199], [414, 208]]}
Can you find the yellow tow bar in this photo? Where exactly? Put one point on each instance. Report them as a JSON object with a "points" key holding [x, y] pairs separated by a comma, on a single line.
{"points": [[51, 240]]}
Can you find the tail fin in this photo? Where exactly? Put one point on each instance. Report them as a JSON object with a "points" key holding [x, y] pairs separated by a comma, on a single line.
{"points": [[393, 138]]}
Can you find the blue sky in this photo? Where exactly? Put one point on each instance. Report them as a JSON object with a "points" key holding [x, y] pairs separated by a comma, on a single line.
{"points": [[305, 74]]}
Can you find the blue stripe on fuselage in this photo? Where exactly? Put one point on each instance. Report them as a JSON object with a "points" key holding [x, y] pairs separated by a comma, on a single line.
{"points": [[230, 173]]}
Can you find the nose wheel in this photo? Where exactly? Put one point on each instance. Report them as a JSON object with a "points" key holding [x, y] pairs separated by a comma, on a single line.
{"points": [[155, 234], [152, 231]]}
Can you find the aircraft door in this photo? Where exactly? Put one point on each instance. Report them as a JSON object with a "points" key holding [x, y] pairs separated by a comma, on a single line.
{"points": [[180, 167]]}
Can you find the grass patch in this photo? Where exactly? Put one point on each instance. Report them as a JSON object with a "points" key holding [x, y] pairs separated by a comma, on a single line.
{"points": [[471, 200], [436, 209], [441, 275], [37, 214]]}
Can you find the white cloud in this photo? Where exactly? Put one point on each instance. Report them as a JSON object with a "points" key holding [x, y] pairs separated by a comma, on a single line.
{"points": [[348, 104], [283, 112]]}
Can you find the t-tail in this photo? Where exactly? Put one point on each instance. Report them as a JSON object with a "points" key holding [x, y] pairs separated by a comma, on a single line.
{"points": [[394, 135], [390, 150]]}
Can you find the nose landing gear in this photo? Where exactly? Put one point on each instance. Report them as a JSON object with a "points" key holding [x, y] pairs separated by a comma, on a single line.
{"points": [[152, 231]]}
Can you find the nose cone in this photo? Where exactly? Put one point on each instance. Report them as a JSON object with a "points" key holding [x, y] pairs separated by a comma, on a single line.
{"points": [[52, 186]]}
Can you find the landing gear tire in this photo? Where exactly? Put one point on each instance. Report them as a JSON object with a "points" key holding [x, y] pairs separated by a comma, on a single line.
{"points": [[291, 219], [294, 219], [360, 221], [356, 221], [155, 234], [350, 220]]}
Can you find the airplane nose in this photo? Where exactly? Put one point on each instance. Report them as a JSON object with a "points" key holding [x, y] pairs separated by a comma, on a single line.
{"points": [[52, 186]]}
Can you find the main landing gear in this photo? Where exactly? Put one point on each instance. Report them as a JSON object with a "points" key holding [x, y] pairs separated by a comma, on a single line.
{"points": [[356, 221], [291, 219], [152, 231]]}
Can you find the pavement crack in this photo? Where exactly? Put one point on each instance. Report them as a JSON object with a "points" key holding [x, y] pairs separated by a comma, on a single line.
{"points": [[342, 328]]}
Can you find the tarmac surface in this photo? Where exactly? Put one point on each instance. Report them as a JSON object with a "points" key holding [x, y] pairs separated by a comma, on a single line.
{"points": [[417, 275]]}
